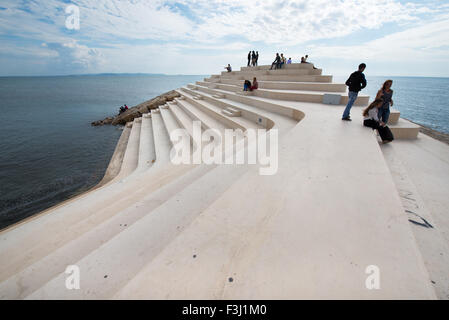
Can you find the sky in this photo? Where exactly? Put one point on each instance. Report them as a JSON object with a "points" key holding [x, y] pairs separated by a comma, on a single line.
{"points": [[393, 37]]}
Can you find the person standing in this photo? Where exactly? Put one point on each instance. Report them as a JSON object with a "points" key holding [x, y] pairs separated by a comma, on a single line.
{"points": [[249, 58], [253, 56], [356, 83], [386, 94], [257, 58]]}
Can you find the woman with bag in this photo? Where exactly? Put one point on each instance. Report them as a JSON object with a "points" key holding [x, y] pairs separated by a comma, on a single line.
{"points": [[371, 120]]}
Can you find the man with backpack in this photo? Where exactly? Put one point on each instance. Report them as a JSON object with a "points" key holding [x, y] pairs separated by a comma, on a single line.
{"points": [[356, 83]]}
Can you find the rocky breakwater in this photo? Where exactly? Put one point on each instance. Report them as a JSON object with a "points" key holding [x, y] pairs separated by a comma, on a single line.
{"points": [[137, 111]]}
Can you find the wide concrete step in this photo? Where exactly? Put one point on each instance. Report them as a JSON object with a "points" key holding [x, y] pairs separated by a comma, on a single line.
{"points": [[258, 106], [294, 95], [183, 118], [404, 129], [147, 153], [231, 112], [236, 254], [190, 106], [394, 116], [287, 66], [117, 159], [110, 266], [216, 106], [284, 85], [255, 73], [131, 157], [148, 196], [162, 143], [269, 77]]}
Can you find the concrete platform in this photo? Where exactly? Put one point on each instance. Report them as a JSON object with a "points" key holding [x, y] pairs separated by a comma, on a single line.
{"points": [[338, 205]]}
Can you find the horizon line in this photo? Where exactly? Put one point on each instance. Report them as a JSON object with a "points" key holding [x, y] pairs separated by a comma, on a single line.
{"points": [[178, 74]]}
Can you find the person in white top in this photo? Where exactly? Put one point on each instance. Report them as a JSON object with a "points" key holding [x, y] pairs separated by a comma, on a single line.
{"points": [[371, 114], [371, 120]]}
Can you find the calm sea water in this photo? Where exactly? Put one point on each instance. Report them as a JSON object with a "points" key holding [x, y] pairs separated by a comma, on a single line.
{"points": [[49, 151]]}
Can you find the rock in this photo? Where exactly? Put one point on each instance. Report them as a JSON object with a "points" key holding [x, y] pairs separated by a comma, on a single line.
{"points": [[137, 111]]}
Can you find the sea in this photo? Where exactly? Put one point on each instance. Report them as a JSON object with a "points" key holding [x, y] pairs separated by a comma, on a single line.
{"points": [[49, 152]]}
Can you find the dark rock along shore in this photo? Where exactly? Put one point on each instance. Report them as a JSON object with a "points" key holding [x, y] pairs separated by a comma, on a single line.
{"points": [[137, 111]]}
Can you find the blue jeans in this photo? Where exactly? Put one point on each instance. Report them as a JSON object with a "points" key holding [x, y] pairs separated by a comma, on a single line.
{"points": [[352, 97], [384, 114]]}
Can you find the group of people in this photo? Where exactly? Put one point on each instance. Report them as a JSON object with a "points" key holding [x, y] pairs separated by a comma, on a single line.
{"points": [[304, 60], [376, 115], [253, 58], [123, 109], [279, 61], [248, 86]]}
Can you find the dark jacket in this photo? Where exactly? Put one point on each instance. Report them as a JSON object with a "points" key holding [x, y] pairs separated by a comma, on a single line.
{"points": [[356, 81]]}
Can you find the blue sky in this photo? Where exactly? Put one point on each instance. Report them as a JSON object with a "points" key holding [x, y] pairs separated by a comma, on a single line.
{"points": [[409, 38]]}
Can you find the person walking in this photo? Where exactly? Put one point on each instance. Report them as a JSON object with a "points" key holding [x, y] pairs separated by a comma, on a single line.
{"points": [[249, 58], [385, 93], [356, 83]]}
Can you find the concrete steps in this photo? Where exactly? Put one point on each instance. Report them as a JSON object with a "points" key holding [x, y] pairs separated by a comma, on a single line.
{"points": [[307, 66], [160, 230], [215, 107], [232, 112], [131, 157], [394, 116], [256, 73], [162, 143], [404, 129], [294, 95], [189, 106], [288, 78], [147, 153], [284, 85]]}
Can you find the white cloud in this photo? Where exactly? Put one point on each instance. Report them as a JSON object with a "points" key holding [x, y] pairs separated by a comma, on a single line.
{"points": [[193, 36], [423, 47]]}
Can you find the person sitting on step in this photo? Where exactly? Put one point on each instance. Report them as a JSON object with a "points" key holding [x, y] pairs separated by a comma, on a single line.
{"points": [[255, 85], [246, 85], [276, 63], [228, 68], [283, 61], [289, 61], [371, 114], [371, 120], [305, 61]]}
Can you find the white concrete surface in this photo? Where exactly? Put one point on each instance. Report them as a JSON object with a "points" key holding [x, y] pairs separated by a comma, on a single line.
{"points": [[337, 205]]}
